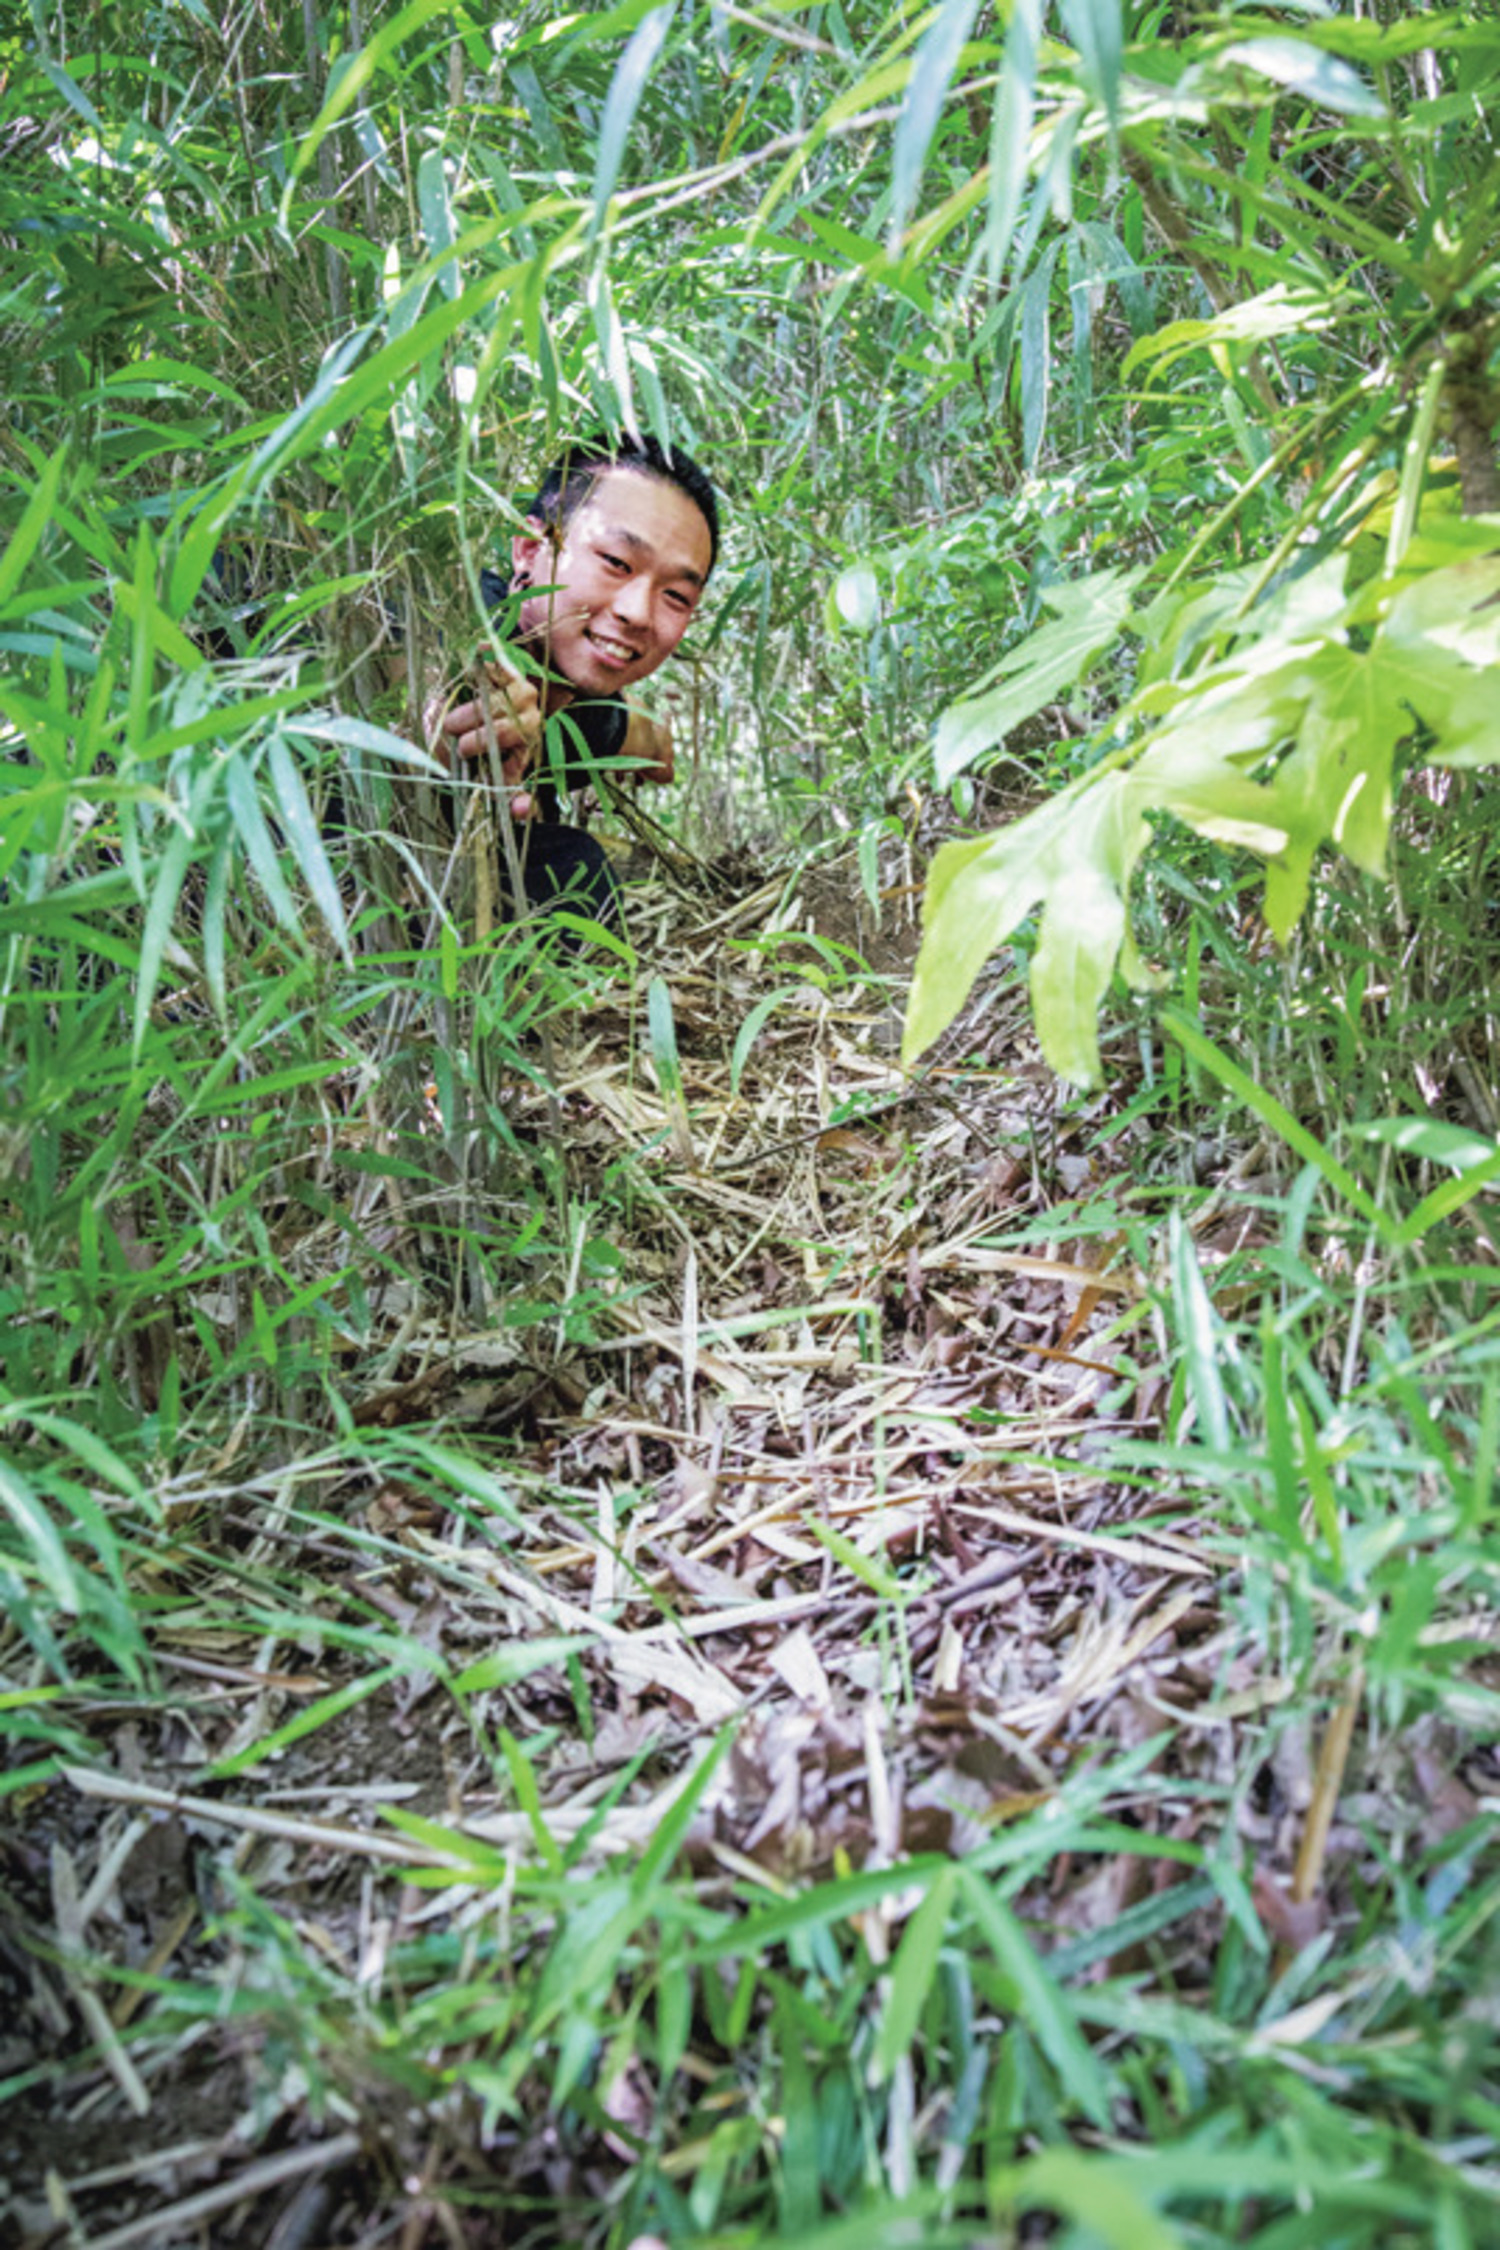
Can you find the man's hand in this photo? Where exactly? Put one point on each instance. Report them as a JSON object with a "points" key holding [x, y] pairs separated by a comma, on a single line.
{"points": [[648, 742], [457, 729]]}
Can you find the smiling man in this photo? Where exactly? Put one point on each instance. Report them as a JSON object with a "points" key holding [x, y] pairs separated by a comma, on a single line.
{"points": [[619, 544]]}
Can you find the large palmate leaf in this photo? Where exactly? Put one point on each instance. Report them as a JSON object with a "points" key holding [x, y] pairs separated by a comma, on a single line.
{"points": [[1287, 742], [1090, 615]]}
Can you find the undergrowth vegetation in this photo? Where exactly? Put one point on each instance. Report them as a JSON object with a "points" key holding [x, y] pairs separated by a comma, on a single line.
{"points": [[621, 1619]]}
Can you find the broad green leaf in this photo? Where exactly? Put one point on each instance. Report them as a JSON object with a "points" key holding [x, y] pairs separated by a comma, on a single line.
{"points": [[1074, 960], [856, 595], [1090, 613], [978, 891]]}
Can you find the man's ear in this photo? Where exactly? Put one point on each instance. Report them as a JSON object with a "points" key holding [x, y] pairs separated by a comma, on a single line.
{"points": [[530, 555]]}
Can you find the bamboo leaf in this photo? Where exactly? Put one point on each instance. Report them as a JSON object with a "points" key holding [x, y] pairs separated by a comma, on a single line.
{"points": [[626, 89], [1306, 70], [1280, 1119], [305, 838], [1010, 134], [35, 517], [1041, 2003], [436, 214], [911, 1975], [933, 66], [1096, 29]]}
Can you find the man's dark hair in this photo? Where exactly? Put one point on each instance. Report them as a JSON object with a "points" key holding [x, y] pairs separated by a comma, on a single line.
{"points": [[569, 481]]}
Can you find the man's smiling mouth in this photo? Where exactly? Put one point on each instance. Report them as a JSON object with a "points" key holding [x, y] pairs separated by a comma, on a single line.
{"points": [[620, 650]]}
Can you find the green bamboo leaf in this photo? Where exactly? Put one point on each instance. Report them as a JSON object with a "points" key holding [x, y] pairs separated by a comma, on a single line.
{"points": [[347, 80], [1198, 1326], [1431, 1139], [662, 1033], [254, 838], [870, 1570], [75, 97], [1041, 2003], [1450, 1196], [436, 213], [750, 1030], [1096, 29], [1010, 134], [1282, 310], [1036, 356], [88, 1447], [480, 1861], [626, 89], [28, 1512], [35, 517], [933, 66], [304, 1722], [671, 1831], [1096, 2193], [911, 1975], [156, 932], [1318, 77], [516, 1661], [305, 838], [1280, 1119], [662, 1029]]}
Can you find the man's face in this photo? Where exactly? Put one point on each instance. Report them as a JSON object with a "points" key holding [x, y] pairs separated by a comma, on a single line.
{"points": [[624, 584]]}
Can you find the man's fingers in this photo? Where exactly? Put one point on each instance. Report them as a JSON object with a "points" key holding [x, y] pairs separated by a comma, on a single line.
{"points": [[470, 737]]}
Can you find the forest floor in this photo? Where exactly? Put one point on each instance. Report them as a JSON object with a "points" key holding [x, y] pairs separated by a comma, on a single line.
{"points": [[813, 1453]]}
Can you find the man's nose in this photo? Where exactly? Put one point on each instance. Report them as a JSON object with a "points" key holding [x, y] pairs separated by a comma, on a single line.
{"points": [[632, 602]]}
